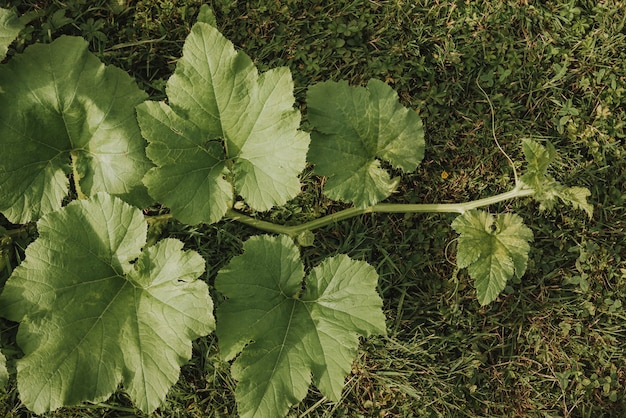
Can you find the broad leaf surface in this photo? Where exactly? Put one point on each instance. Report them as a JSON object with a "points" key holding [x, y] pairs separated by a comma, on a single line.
{"points": [[493, 249], [97, 311], [10, 27], [228, 116], [190, 174], [547, 189], [59, 100], [356, 129], [286, 335]]}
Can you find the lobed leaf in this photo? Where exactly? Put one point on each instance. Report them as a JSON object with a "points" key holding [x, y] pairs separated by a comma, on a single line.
{"points": [[492, 249], [10, 27], [546, 188], [97, 311], [59, 102], [218, 100], [285, 334], [356, 129], [195, 190]]}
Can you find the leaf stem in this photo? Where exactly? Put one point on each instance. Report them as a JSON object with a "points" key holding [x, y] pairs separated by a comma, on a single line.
{"points": [[295, 230], [76, 176]]}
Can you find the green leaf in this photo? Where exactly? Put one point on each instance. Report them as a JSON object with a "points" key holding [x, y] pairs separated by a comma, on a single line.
{"points": [[207, 15], [97, 311], [285, 334], [492, 252], [356, 129], [10, 27], [4, 373], [195, 190], [247, 120], [538, 158], [575, 196], [306, 238], [546, 188], [59, 101]]}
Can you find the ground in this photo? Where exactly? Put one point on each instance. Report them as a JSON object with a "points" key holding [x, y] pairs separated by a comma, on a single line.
{"points": [[553, 344]]}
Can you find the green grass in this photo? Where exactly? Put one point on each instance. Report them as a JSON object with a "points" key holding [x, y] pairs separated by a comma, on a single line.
{"points": [[554, 344]]}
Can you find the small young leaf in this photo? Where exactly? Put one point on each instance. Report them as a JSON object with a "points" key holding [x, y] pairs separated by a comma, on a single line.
{"points": [[10, 27], [251, 116], [577, 197], [492, 255], [356, 128], [97, 311], [207, 15], [306, 238], [538, 157], [546, 188], [286, 335], [59, 100]]}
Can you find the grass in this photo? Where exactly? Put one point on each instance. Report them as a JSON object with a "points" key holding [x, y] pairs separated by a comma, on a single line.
{"points": [[554, 343]]}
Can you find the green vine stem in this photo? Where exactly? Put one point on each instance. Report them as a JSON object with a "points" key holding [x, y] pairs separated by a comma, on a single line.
{"points": [[295, 230]]}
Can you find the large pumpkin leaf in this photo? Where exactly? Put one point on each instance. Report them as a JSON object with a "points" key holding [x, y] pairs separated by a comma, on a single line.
{"points": [[97, 311], [285, 334], [190, 174], [356, 129], [10, 27], [224, 115], [59, 104], [493, 249]]}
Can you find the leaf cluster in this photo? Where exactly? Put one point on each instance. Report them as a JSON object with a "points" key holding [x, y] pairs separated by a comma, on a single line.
{"points": [[227, 133]]}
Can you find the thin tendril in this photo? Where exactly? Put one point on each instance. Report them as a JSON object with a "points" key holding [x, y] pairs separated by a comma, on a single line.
{"points": [[445, 252], [493, 133]]}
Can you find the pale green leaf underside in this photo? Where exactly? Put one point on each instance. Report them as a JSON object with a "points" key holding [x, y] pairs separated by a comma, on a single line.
{"points": [[356, 129], [547, 189], [10, 27], [195, 190], [58, 99], [97, 311], [219, 96], [285, 335], [493, 249]]}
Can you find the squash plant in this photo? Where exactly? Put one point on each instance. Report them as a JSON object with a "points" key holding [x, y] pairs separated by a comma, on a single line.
{"points": [[99, 305]]}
